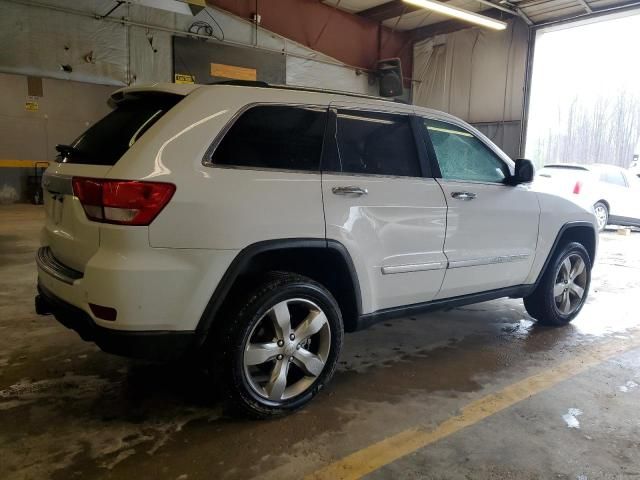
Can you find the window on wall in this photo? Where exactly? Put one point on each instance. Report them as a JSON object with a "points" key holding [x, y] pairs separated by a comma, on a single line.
{"points": [[373, 143], [274, 136], [462, 156]]}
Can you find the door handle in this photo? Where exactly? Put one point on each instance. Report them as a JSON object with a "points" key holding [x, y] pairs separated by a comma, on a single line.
{"points": [[464, 195], [349, 190]]}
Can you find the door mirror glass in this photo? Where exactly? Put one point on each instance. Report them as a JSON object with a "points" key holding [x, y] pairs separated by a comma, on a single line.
{"points": [[524, 172]]}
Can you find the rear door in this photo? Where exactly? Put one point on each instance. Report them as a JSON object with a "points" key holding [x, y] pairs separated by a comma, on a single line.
{"points": [[381, 203], [492, 228], [71, 237]]}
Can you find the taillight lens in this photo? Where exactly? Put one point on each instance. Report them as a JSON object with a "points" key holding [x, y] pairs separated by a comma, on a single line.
{"points": [[123, 202], [577, 187]]}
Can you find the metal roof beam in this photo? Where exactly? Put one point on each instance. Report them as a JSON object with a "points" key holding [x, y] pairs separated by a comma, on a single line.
{"points": [[586, 6], [387, 10]]}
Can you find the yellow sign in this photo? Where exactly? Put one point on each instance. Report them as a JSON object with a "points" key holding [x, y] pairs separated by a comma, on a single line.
{"points": [[31, 105], [184, 78], [233, 72]]}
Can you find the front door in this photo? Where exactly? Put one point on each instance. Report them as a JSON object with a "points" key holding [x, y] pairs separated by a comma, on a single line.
{"points": [[383, 207], [492, 228]]}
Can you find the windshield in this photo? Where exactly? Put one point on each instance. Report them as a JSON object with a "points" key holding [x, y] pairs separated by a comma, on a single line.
{"points": [[108, 139]]}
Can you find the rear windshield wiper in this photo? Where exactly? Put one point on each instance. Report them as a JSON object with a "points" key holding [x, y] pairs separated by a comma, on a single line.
{"points": [[66, 150]]}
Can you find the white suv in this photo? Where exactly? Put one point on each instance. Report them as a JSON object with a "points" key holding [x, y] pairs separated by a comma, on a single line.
{"points": [[255, 224]]}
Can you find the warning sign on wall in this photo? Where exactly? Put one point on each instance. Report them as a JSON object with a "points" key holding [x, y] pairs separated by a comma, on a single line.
{"points": [[31, 105], [183, 78], [233, 72]]}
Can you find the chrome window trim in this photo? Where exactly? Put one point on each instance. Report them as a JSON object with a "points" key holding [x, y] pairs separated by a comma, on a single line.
{"points": [[264, 169], [375, 175]]}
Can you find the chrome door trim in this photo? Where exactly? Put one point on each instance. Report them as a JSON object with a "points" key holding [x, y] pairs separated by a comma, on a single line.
{"points": [[414, 267], [474, 262]]}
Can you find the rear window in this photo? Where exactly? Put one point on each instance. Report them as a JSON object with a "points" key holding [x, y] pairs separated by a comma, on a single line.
{"points": [[108, 139]]}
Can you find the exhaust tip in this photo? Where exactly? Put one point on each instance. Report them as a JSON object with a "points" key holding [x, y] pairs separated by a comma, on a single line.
{"points": [[42, 306]]}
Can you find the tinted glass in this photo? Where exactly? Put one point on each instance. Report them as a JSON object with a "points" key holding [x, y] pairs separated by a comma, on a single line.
{"points": [[613, 177], [373, 143], [462, 156], [108, 139], [274, 136]]}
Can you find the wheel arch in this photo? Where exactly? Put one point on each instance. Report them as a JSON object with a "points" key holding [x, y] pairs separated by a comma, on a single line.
{"points": [[325, 261], [581, 232]]}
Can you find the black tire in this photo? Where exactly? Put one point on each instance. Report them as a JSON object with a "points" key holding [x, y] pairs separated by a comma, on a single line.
{"points": [[541, 304], [229, 348], [605, 210]]}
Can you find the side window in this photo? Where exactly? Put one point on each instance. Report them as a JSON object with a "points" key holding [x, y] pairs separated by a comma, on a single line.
{"points": [[274, 136], [462, 156], [372, 143], [613, 177]]}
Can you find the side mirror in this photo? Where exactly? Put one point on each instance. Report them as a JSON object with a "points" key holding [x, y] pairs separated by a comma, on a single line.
{"points": [[524, 173]]}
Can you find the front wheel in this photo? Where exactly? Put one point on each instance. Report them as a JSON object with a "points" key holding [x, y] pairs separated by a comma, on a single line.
{"points": [[282, 347], [563, 289]]}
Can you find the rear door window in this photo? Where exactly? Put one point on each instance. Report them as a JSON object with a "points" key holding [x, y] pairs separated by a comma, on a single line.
{"points": [[108, 139], [275, 136], [372, 143], [613, 177]]}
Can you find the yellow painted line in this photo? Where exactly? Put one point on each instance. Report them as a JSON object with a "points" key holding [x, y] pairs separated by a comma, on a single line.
{"points": [[373, 457], [23, 163]]}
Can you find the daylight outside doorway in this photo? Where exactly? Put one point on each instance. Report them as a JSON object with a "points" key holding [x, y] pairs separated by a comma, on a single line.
{"points": [[585, 93]]}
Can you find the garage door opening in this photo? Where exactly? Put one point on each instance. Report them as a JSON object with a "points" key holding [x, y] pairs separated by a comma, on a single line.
{"points": [[585, 93]]}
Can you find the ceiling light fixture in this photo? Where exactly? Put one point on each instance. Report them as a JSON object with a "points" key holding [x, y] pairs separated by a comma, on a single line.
{"points": [[465, 15]]}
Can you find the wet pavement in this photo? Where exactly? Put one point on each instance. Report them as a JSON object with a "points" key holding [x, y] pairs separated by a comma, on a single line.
{"points": [[68, 410]]}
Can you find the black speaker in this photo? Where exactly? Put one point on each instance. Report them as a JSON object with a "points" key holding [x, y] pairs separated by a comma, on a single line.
{"points": [[389, 72]]}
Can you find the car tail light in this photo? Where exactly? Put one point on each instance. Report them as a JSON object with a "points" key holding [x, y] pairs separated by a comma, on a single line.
{"points": [[577, 187], [123, 202]]}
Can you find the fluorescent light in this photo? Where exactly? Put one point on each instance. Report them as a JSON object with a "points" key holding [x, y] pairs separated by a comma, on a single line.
{"points": [[458, 13]]}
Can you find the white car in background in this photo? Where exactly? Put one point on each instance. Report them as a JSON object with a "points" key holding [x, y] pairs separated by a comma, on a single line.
{"points": [[613, 192]]}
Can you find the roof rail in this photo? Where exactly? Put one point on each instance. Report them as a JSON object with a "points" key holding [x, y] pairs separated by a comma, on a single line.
{"points": [[261, 84]]}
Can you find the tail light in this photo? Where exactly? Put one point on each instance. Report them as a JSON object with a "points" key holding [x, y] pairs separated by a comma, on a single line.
{"points": [[577, 187], [123, 202]]}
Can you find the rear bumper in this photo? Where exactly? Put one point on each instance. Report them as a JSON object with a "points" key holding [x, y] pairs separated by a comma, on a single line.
{"points": [[149, 345]]}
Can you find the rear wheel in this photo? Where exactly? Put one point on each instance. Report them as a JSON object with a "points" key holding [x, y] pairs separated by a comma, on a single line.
{"points": [[602, 215], [281, 348], [563, 289]]}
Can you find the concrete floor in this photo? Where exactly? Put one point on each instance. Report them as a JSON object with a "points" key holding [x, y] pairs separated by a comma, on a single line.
{"points": [[67, 410]]}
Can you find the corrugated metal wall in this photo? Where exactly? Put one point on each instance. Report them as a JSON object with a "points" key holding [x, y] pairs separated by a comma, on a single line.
{"points": [[477, 75], [106, 54]]}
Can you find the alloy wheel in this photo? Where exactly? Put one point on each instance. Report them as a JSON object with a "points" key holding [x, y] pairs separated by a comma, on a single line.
{"points": [[601, 216], [570, 284], [287, 349]]}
